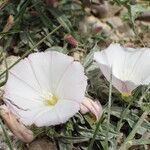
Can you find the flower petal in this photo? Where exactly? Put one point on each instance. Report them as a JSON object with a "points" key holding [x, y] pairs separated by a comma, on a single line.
{"points": [[121, 85], [41, 64], [58, 115], [129, 66], [73, 83], [60, 63], [22, 102], [23, 73], [29, 117], [17, 87], [49, 68]]}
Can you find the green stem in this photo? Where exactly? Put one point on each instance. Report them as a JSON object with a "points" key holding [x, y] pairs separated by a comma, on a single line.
{"points": [[134, 130], [6, 135], [108, 120], [6, 76], [1, 55], [31, 49], [133, 24], [94, 136], [137, 142], [143, 95], [109, 112], [124, 113]]}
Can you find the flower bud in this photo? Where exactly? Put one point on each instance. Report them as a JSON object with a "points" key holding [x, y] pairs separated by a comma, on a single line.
{"points": [[71, 40], [17, 128], [93, 107]]}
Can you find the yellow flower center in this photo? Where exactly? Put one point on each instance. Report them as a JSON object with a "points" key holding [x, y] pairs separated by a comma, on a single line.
{"points": [[126, 94], [51, 100], [126, 97]]}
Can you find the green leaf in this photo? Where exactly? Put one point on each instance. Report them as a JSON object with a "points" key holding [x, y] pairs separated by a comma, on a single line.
{"points": [[58, 49], [89, 58], [136, 10], [61, 18]]}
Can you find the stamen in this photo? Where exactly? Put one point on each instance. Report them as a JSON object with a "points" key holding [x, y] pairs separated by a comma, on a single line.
{"points": [[50, 100], [126, 94]]}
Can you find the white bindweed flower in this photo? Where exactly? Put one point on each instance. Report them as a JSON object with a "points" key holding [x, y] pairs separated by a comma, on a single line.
{"points": [[130, 67], [45, 89]]}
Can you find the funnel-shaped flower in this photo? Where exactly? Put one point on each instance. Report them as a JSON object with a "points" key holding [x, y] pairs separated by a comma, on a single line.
{"points": [[45, 89], [130, 67]]}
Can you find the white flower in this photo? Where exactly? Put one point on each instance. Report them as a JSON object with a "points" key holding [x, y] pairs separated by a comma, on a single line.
{"points": [[45, 89], [130, 67]]}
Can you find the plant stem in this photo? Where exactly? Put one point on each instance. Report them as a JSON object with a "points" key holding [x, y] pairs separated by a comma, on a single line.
{"points": [[134, 130], [124, 113], [133, 24], [6, 76], [143, 95], [108, 120], [109, 111], [94, 136], [31, 49]]}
